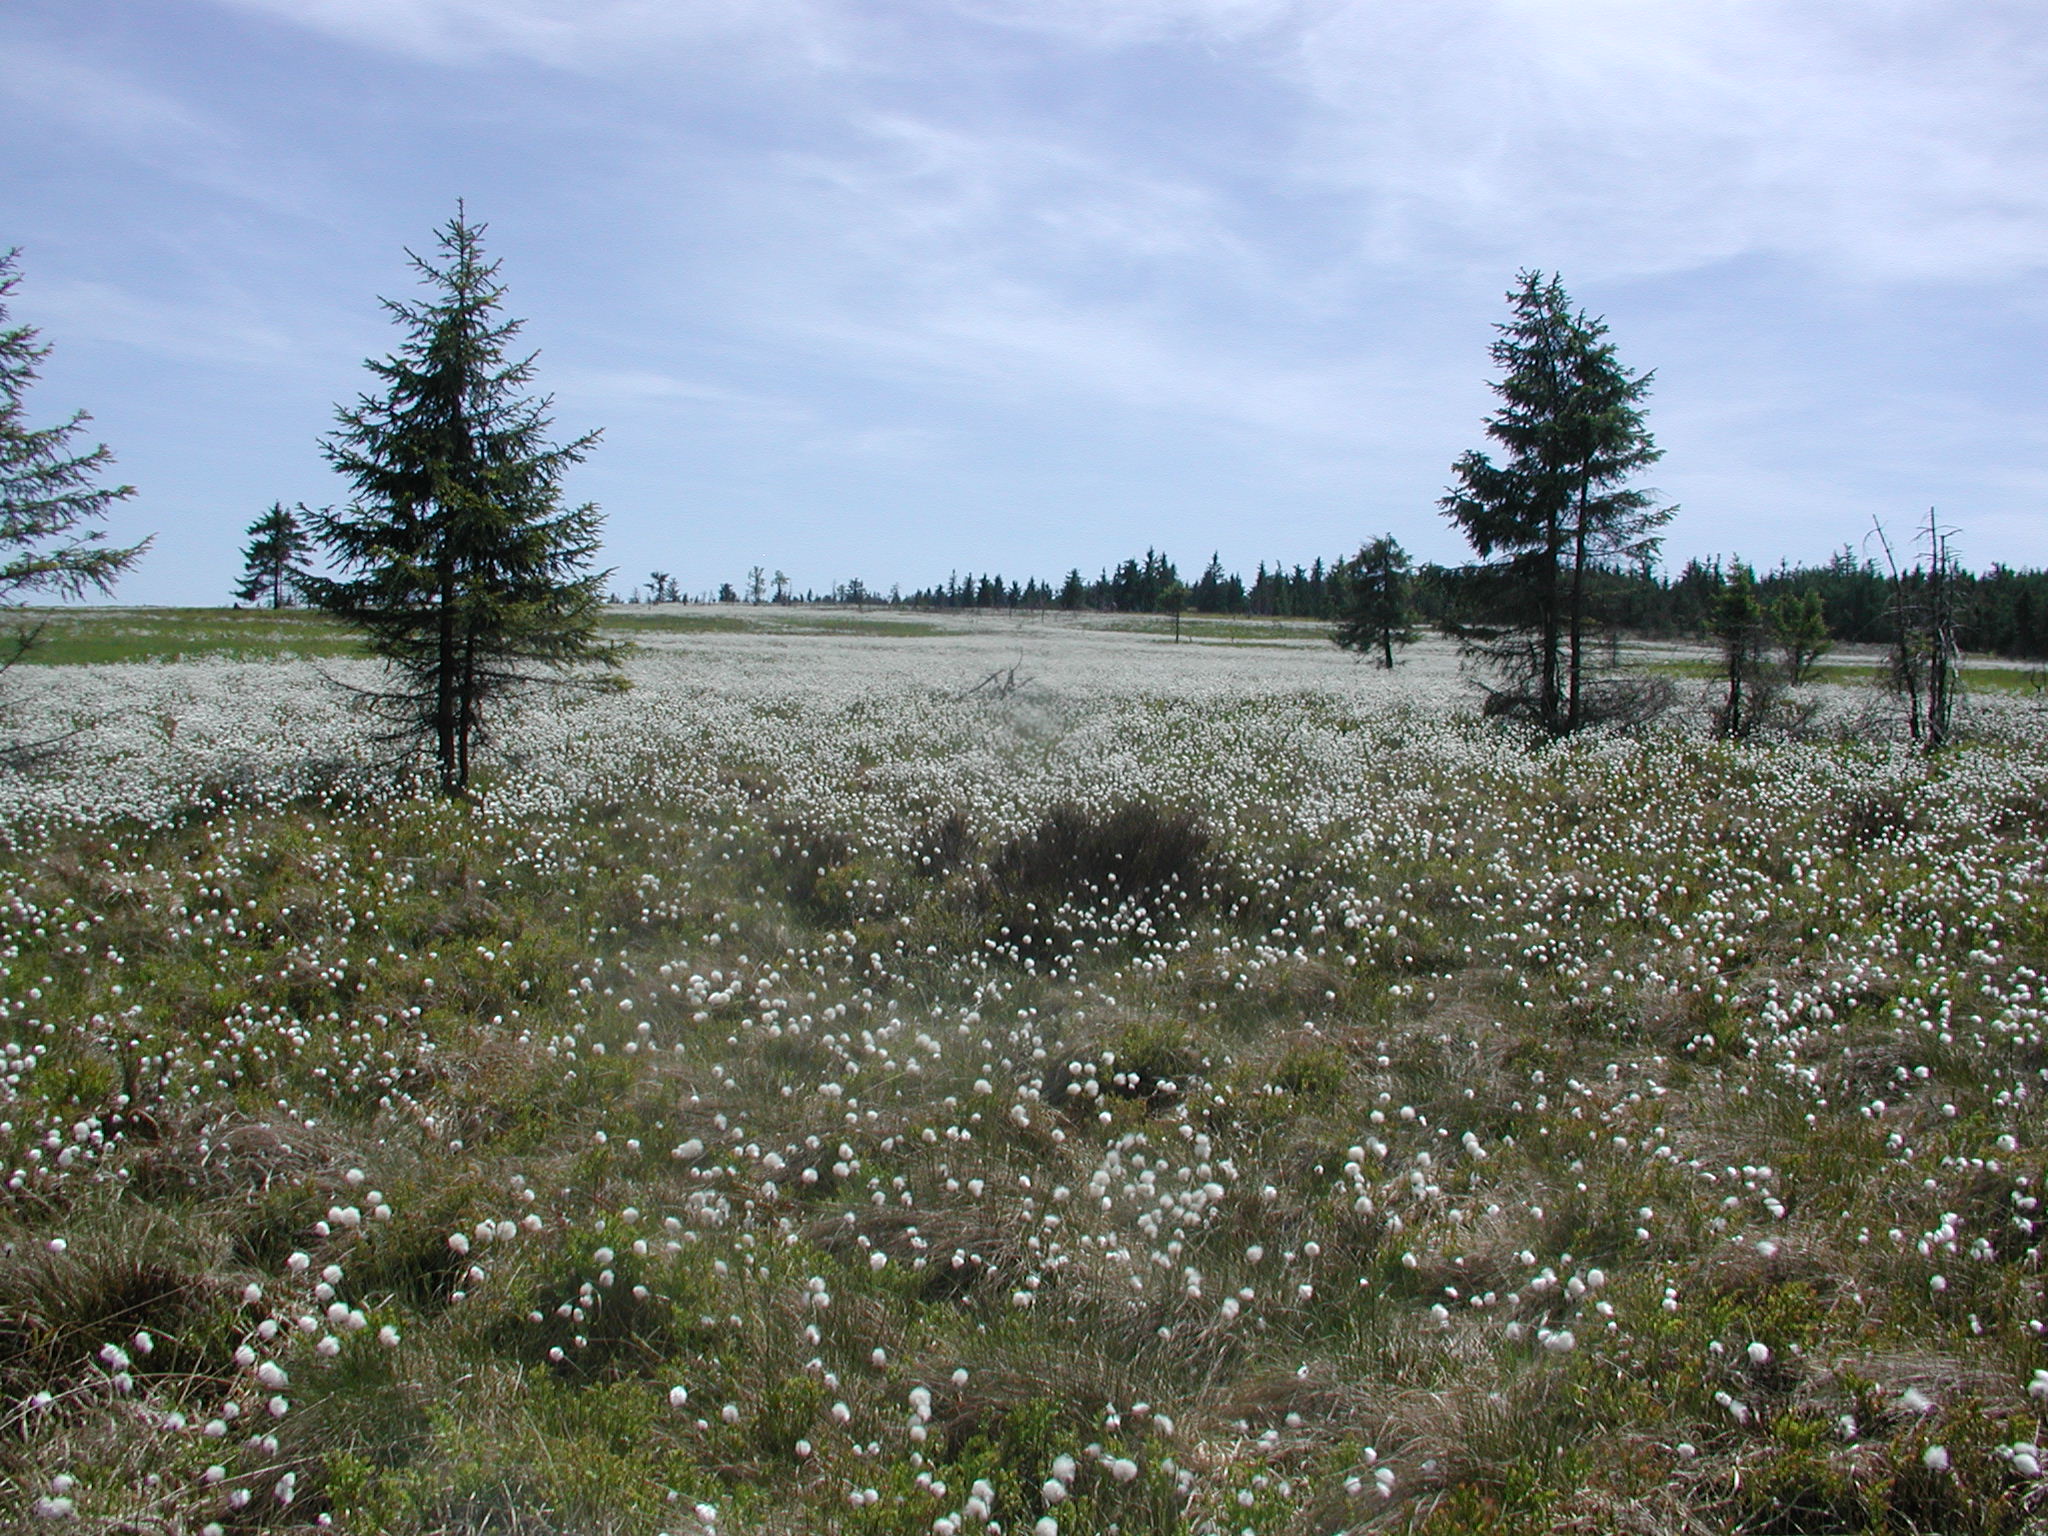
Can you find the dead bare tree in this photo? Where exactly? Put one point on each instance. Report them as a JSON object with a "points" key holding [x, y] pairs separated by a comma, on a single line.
{"points": [[1000, 683], [1925, 662], [1905, 669], [1944, 655]]}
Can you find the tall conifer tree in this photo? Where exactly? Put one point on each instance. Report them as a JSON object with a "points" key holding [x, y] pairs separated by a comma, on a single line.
{"points": [[460, 563], [49, 495], [1374, 612], [1742, 624], [1558, 509], [274, 560]]}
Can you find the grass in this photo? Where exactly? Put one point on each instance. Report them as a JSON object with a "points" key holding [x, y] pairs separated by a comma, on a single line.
{"points": [[1980, 677], [779, 621], [1206, 629], [87, 636], [676, 621], [864, 1110], [855, 628]]}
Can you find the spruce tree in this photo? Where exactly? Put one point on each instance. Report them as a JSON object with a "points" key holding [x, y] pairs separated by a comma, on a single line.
{"points": [[1173, 598], [274, 560], [1742, 625], [1558, 509], [48, 492], [1799, 622], [1374, 611], [459, 561]]}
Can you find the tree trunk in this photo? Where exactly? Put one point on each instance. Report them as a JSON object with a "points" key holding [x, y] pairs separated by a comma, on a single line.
{"points": [[1578, 611], [466, 712], [444, 684], [1941, 638], [1548, 687]]}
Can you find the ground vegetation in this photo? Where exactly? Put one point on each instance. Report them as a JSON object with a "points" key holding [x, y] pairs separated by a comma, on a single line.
{"points": [[1195, 1090]]}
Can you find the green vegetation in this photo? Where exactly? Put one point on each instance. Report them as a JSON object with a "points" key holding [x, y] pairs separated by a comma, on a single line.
{"points": [[51, 498], [732, 619], [1557, 512], [1978, 677], [689, 621], [274, 568], [1377, 612], [845, 1107], [83, 636], [1848, 599], [1202, 629], [457, 560]]}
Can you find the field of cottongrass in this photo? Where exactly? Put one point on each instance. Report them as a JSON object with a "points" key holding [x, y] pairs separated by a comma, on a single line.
{"points": [[963, 1077]]}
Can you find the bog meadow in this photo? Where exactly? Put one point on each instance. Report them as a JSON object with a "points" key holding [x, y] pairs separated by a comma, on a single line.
{"points": [[890, 1074], [1023, 768]]}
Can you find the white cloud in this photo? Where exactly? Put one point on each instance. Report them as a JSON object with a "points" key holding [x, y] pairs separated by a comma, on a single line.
{"points": [[972, 234], [1903, 141], [1120, 23], [583, 35], [1043, 269], [917, 196], [586, 388], [158, 130], [99, 100], [1895, 141], [222, 329]]}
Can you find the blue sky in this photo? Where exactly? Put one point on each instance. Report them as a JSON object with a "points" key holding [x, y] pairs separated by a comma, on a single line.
{"points": [[891, 289]]}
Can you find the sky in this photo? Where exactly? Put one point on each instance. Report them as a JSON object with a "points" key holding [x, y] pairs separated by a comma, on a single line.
{"points": [[894, 289]]}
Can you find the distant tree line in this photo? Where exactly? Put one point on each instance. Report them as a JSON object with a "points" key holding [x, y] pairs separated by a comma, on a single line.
{"points": [[2005, 611], [1151, 584], [472, 579]]}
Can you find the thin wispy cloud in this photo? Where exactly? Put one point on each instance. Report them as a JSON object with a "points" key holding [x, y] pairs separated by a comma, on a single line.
{"points": [[630, 388], [223, 329], [599, 36], [1163, 263], [161, 130], [1902, 141], [98, 100]]}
